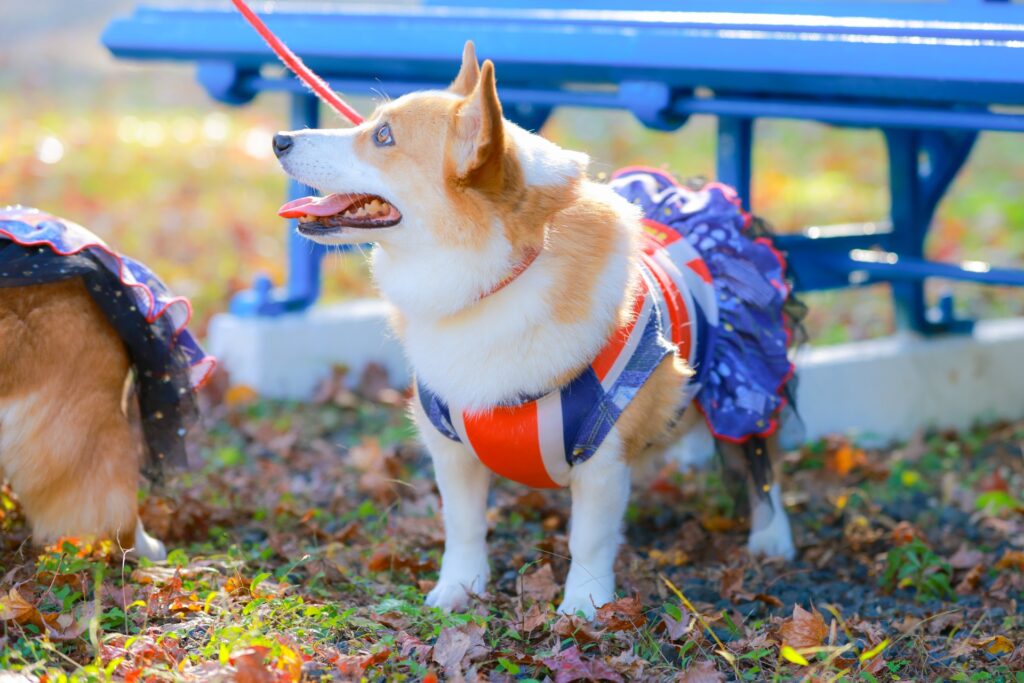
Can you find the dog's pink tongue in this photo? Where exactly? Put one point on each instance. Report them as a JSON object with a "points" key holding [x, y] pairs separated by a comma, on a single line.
{"points": [[315, 206]]}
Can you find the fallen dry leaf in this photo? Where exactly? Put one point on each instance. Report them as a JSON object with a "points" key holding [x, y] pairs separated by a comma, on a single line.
{"points": [[539, 585], [904, 533], [994, 645], [622, 614], [701, 672], [533, 618], [580, 630], [251, 666], [390, 559], [731, 586], [568, 665], [1011, 559], [456, 644], [353, 666], [846, 458], [965, 558], [804, 629], [676, 630], [971, 580]]}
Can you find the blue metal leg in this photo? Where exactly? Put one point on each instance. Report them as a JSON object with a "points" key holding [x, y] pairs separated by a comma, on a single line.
{"points": [[530, 117], [921, 168], [735, 145], [304, 256]]}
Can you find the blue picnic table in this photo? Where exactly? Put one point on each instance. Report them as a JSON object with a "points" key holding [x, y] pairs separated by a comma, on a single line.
{"points": [[931, 75]]}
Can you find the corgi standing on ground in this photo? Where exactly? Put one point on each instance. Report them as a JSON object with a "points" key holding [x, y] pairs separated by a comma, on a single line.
{"points": [[559, 328]]}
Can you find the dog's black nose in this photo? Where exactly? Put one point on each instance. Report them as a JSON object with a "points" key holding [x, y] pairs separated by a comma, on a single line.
{"points": [[283, 143]]}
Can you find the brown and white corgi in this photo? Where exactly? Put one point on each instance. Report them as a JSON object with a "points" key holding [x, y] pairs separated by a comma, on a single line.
{"points": [[517, 281], [97, 372]]}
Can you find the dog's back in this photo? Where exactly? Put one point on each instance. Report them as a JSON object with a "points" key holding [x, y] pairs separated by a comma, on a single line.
{"points": [[66, 446]]}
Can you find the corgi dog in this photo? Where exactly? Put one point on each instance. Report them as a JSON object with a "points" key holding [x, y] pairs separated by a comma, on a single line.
{"points": [[93, 355], [557, 330]]}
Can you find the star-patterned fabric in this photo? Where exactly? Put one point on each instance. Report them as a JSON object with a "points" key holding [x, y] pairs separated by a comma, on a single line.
{"points": [[168, 364], [742, 386]]}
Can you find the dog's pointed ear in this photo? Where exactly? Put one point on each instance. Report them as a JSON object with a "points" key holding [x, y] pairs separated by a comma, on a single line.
{"points": [[479, 145], [469, 74]]}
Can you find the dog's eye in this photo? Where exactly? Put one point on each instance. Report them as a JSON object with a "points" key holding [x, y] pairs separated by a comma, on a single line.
{"points": [[382, 136]]}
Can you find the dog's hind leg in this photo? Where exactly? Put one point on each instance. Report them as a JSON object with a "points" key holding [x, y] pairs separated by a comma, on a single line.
{"points": [[693, 445], [770, 532]]}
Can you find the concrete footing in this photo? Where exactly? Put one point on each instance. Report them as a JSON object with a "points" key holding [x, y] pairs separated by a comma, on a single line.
{"points": [[879, 391]]}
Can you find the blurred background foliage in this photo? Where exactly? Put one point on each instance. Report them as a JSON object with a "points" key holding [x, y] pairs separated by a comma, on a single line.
{"points": [[140, 155]]}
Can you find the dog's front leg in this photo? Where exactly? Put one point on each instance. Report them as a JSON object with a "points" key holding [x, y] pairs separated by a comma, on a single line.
{"points": [[463, 482], [600, 492]]}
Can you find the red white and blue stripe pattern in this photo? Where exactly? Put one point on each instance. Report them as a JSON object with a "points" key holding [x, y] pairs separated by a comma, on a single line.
{"points": [[680, 308]]}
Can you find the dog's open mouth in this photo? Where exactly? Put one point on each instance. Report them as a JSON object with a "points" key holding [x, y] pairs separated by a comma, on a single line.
{"points": [[325, 214]]}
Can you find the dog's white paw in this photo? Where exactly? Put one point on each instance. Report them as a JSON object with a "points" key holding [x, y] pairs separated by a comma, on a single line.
{"points": [[775, 540], [770, 535], [585, 598], [452, 595], [147, 546]]}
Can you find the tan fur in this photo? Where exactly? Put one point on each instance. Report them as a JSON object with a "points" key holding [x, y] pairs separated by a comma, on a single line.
{"points": [[66, 447], [648, 424]]}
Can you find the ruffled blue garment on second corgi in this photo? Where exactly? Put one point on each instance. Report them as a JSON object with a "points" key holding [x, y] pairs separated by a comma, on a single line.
{"points": [[741, 388], [37, 248]]}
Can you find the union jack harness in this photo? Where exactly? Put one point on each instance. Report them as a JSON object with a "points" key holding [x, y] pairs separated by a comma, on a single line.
{"points": [[708, 291]]}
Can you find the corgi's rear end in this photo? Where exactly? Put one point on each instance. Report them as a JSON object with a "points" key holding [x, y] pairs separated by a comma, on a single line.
{"points": [[67, 446]]}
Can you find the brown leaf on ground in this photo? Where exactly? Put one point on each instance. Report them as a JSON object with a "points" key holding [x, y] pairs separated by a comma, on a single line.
{"points": [[964, 558], [994, 645], [731, 586], [391, 559], [568, 665], [701, 672], [353, 666], [580, 630], [769, 600], [971, 580], [846, 458], [629, 665], [533, 618], [804, 629], [14, 607], [904, 533], [411, 646], [251, 667], [539, 585], [458, 644], [940, 623], [1011, 559], [622, 614], [676, 630]]}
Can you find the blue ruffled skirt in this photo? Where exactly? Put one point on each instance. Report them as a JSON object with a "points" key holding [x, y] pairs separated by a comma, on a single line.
{"points": [[743, 379]]}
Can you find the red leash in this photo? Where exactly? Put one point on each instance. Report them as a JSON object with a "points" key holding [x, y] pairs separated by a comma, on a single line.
{"points": [[291, 60]]}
